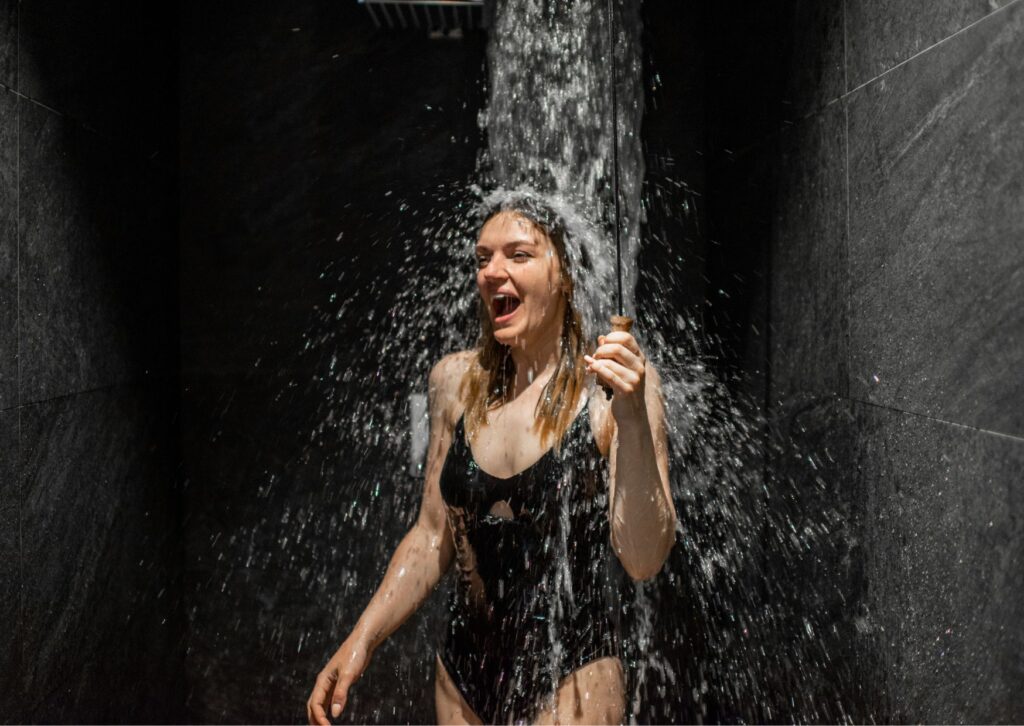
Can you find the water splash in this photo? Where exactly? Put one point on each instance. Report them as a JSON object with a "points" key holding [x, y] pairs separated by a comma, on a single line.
{"points": [[719, 635]]}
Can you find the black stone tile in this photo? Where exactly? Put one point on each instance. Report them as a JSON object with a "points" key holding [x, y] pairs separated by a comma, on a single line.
{"points": [[812, 56], [809, 260], [936, 222], [943, 545], [769, 63], [8, 250], [814, 564], [883, 33], [97, 259], [11, 690], [745, 42], [100, 536], [112, 67], [9, 43], [740, 215]]}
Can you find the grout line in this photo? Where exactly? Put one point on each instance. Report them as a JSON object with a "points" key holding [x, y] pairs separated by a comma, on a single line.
{"points": [[18, 478], [19, 94], [1000, 434], [70, 394], [934, 45], [19, 483]]}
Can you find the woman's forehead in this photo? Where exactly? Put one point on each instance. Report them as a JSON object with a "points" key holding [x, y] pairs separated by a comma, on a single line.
{"points": [[510, 226]]}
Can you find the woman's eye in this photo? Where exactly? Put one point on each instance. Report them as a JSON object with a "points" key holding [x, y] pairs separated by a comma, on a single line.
{"points": [[481, 261], [521, 256]]}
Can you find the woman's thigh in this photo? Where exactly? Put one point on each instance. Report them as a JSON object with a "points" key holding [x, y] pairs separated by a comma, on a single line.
{"points": [[448, 701], [592, 694]]}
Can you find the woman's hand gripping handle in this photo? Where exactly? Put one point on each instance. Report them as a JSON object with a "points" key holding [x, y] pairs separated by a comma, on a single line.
{"points": [[623, 324]]}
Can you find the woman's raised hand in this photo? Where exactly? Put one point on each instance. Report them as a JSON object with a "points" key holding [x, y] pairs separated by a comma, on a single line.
{"points": [[331, 689], [619, 364]]}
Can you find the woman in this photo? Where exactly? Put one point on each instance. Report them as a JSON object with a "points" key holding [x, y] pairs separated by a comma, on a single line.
{"points": [[531, 479]]}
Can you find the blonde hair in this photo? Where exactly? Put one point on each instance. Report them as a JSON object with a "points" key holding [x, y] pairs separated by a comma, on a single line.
{"points": [[490, 378]]}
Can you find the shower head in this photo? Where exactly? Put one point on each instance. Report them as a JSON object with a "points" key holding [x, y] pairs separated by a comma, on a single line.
{"points": [[440, 18]]}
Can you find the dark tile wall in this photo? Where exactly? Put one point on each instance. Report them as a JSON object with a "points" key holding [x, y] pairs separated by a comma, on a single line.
{"points": [[884, 33], [72, 58], [944, 546], [11, 651], [89, 501], [96, 247], [937, 313], [809, 260], [8, 249], [896, 255], [101, 554], [9, 44]]}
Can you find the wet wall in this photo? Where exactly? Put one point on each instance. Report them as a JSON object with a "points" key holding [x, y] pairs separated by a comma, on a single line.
{"points": [[896, 238], [90, 547]]}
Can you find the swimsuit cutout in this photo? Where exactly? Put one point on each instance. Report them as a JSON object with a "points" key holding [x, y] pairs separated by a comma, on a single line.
{"points": [[534, 599]]}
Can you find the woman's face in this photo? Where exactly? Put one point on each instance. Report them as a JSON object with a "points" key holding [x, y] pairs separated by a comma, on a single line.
{"points": [[519, 278]]}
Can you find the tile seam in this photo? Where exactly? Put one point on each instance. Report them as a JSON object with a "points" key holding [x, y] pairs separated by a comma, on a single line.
{"points": [[133, 151], [18, 478], [1000, 434], [70, 394]]}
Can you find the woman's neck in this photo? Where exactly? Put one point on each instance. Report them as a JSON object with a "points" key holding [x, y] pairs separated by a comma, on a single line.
{"points": [[536, 362]]}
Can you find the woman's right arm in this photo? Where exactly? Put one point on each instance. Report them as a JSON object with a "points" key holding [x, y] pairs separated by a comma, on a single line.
{"points": [[418, 564]]}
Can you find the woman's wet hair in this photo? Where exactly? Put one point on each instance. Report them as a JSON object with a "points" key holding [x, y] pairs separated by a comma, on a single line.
{"points": [[531, 207], [490, 381]]}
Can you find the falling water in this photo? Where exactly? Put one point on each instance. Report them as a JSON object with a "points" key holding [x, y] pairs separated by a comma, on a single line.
{"points": [[549, 121], [719, 635]]}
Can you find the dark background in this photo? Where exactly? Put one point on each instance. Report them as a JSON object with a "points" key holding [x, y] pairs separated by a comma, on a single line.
{"points": [[173, 182]]}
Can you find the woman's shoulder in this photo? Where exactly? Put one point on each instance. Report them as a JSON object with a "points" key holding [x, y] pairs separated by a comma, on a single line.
{"points": [[446, 379], [452, 367]]}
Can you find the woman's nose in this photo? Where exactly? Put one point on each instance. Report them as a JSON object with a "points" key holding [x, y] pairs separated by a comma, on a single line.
{"points": [[495, 269]]}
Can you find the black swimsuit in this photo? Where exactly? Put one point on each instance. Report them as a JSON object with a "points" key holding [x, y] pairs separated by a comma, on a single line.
{"points": [[534, 598]]}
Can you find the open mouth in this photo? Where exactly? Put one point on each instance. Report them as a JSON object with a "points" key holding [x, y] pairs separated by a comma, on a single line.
{"points": [[504, 307]]}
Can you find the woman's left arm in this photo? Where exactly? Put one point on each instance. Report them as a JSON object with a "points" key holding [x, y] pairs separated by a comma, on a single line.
{"points": [[643, 518]]}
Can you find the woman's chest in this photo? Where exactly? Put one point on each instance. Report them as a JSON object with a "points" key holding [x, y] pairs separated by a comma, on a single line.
{"points": [[508, 445], [571, 476]]}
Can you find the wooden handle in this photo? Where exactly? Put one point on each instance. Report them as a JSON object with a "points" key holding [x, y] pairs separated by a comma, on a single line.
{"points": [[623, 324]]}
